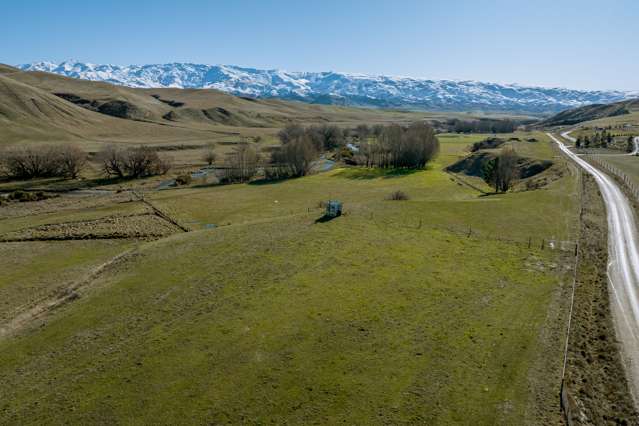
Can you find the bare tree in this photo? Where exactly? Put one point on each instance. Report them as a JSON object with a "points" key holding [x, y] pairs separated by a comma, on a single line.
{"points": [[71, 160], [31, 162], [501, 172], [241, 163], [293, 159], [132, 162], [144, 161], [290, 132], [209, 154], [420, 145], [362, 131]]}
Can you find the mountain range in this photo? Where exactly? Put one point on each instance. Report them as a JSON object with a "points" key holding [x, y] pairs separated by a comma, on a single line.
{"points": [[339, 88]]}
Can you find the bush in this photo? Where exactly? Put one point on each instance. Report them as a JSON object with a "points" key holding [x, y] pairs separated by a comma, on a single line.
{"points": [[345, 153], [398, 196], [23, 196], [184, 179]]}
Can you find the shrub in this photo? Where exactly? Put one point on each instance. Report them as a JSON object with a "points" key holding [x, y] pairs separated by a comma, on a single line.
{"points": [[23, 196], [398, 196], [184, 179]]}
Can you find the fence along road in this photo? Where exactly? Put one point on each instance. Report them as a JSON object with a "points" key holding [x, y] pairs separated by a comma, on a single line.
{"points": [[623, 263]]}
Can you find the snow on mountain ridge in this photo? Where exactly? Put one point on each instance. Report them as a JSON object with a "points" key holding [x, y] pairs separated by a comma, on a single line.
{"points": [[336, 87]]}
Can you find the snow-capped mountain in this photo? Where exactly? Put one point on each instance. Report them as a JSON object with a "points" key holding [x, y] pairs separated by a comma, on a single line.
{"points": [[337, 88]]}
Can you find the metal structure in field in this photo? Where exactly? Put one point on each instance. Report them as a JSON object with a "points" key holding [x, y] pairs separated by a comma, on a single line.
{"points": [[333, 208]]}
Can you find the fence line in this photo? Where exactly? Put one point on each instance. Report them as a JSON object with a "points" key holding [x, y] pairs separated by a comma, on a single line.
{"points": [[626, 180], [564, 393]]}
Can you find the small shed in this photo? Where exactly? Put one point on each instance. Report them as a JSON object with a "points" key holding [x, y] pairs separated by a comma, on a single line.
{"points": [[333, 208]]}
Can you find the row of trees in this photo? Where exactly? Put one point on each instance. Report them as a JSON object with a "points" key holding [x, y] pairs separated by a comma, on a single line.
{"points": [[68, 161], [400, 147], [483, 125], [599, 140], [43, 161], [323, 138]]}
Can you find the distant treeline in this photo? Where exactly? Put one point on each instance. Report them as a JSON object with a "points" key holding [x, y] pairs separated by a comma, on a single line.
{"points": [[485, 125]]}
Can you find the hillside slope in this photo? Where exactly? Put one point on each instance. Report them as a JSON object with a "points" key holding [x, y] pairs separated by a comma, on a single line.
{"points": [[43, 107], [26, 111], [592, 112]]}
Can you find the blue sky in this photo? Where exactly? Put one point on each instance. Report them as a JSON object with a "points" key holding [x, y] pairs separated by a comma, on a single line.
{"points": [[579, 44]]}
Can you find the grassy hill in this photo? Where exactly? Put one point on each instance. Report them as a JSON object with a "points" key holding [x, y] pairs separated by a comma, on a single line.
{"points": [[95, 112], [591, 112]]}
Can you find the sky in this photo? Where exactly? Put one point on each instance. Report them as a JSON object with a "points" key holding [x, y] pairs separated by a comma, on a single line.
{"points": [[580, 44]]}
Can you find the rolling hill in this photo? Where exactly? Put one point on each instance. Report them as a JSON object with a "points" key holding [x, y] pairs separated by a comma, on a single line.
{"points": [[592, 112], [40, 106]]}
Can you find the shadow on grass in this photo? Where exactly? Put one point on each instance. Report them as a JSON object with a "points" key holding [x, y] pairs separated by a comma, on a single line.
{"points": [[375, 173], [260, 182], [325, 218]]}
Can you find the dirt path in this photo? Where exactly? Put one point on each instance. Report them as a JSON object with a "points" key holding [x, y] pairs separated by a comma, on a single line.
{"points": [[63, 296]]}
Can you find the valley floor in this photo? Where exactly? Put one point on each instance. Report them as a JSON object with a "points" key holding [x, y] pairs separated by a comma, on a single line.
{"points": [[447, 308]]}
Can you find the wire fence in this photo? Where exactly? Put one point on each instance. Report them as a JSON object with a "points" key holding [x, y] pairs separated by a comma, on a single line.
{"points": [[630, 183]]}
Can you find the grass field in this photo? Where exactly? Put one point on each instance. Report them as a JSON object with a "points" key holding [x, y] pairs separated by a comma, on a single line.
{"points": [[627, 164], [432, 310]]}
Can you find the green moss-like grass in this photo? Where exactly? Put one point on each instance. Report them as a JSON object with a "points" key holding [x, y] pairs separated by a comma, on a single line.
{"points": [[369, 318]]}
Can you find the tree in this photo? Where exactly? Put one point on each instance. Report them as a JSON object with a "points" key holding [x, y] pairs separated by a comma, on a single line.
{"points": [[630, 144], [293, 159], [241, 163], [112, 160], [209, 154], [290, 132], [501, 171], [362, 132], [133, 162], [71, 160], [377, 130], [578, 142]]}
